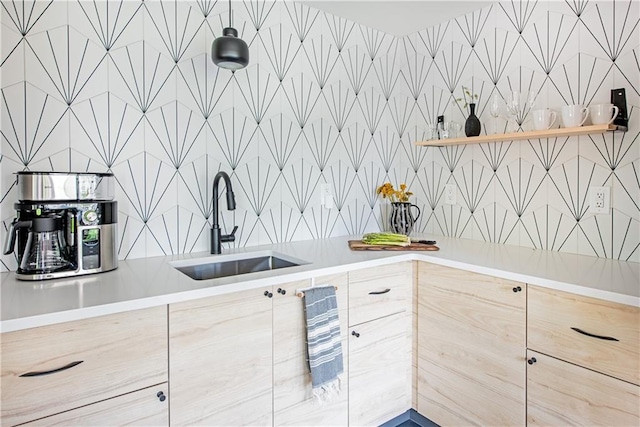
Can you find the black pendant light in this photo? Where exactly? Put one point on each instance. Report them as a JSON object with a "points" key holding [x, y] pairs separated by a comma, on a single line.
{"points": [[228, 51]]}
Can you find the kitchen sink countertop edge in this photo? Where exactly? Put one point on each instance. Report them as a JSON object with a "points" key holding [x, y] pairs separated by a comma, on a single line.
{"points": [[147, 282]]}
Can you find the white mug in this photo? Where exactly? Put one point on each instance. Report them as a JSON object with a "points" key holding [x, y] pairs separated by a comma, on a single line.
{"points": [[543, 119], [601, 114], [574, 116]]}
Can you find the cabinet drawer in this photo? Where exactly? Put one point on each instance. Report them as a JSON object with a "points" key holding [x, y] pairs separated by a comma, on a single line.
{"points": [[140, 408], [380, 291], [119, 354], [379, 370], [562, 394], [580, 330]]}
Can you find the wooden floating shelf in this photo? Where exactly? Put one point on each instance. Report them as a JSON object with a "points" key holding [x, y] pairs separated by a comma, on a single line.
{"points": [[519, 136]]}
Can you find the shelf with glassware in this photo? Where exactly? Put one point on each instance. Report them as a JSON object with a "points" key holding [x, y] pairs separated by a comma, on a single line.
{"points": [[520, 136]]}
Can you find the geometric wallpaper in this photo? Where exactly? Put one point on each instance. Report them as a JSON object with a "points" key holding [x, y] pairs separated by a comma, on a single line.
{"points": [[129, 87]]}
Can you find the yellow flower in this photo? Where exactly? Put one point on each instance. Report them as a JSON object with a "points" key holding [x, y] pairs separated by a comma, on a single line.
{"points": [[387, 191]]}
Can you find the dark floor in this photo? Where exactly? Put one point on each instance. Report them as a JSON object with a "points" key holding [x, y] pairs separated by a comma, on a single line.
{"points": [[410, 418]]}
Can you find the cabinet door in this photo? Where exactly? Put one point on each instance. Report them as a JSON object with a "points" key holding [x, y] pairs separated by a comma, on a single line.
{"points": [[471, 348], [293, 400], [140, 408], [562, 394], [43, 368], [379, 370], [220, 360]]}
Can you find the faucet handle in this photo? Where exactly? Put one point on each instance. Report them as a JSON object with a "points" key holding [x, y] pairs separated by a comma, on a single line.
{"points": [[229, 237]]}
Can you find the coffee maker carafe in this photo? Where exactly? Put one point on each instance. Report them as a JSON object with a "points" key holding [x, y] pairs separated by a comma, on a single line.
{"points": [[45, 250], [65, 225]]}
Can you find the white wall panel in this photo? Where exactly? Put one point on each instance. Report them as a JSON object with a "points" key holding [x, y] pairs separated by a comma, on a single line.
{"points": [[129, 87]]}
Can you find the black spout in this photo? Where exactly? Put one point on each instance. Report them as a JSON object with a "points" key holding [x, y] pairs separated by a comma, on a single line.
{"points": [[216, 236]]}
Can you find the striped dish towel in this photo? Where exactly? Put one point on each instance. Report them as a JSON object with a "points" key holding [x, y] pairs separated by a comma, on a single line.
{"points": [[323, 340]]}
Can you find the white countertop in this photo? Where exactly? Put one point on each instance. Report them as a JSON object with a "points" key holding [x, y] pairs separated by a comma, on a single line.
{"points": [[148, 282]]}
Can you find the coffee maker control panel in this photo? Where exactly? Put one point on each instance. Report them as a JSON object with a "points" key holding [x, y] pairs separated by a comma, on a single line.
{"points": [[90, 216], [90, 248]]}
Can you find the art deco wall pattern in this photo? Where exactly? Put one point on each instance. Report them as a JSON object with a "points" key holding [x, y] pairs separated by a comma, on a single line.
{"points": [[129, 87]]}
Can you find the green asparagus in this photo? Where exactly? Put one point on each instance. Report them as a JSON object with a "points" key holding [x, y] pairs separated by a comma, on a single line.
{"points": [[386, 239]]}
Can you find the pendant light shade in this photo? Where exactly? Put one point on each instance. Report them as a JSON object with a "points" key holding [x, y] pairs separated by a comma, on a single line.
{"points": [[228, 51]]}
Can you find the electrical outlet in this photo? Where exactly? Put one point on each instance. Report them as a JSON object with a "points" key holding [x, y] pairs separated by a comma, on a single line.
{"points": [[599, 200], [450, 194], [326, 195]]}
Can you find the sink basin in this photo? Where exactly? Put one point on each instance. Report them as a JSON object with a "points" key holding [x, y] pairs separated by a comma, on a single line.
{"points": [[235, 264]]}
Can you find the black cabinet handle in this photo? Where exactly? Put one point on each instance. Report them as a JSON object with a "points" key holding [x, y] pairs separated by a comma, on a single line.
{"points": [[268, 294], [380, 292], [600, 337], [52, 371], [517, 289], [355, 334], [532, 361], [282, 291], [161, 396]]}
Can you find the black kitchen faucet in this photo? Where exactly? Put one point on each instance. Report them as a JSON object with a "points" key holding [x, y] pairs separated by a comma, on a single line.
{"points": [[216, 237]]}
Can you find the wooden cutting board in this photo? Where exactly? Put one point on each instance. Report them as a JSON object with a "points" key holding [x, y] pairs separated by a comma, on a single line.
{"points": [[357, 245]]}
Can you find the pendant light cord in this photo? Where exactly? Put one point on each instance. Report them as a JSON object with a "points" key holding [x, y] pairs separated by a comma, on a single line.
{"points": [[230, 14]]}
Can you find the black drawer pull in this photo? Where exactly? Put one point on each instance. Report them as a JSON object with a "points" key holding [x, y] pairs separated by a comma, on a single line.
{"points": [[532, 361], [380, 292], [52, 371], [355, 334], [161, 396], [600, 337]]}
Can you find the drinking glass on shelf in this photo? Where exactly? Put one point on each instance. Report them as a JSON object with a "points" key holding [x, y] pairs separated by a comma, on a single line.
{"points": [[455, 130], [444, 131], [531, 102], [432, 131], [514, 106], [494, 110]]}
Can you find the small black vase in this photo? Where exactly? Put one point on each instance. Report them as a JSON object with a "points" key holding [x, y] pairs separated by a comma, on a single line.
{"points": [[472, 125]]}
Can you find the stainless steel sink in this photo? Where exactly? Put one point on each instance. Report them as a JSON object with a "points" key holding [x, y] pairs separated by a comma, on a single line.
{"points": [[232, 265]]}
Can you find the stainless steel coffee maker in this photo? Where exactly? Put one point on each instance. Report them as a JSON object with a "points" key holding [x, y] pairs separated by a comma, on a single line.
{"points": [[66, 225]]}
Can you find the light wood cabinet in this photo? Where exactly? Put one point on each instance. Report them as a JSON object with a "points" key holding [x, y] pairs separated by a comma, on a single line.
{"points": [[380, 308], [379, 370], [220, 359], [240, 359], [56, 368], [293, 401], [601, 341], [589, 332], [450, 343], [562, 394], [140, 408], [471, 348]]}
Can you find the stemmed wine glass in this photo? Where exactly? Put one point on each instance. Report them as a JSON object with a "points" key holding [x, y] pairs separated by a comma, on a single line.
{"points": [[513, 106], [531, 101], [494, 110]]}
